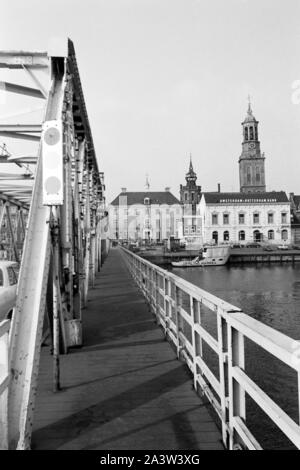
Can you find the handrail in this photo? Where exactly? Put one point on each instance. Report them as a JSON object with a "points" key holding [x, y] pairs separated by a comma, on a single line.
{"points": [[227, 393], [4, 381]]}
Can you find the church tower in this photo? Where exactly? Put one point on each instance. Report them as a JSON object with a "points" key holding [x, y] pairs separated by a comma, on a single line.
{"points": [[190, 194], [251, 161]]}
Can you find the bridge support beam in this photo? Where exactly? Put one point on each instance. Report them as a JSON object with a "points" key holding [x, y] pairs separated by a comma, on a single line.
{"points": [[60, 241]]}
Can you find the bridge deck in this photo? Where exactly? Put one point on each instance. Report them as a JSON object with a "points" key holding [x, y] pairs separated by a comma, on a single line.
{"points": [[124, 389]]}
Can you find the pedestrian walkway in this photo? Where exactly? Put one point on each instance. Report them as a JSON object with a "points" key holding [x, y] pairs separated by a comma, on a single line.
{"points": [[125, 389]]}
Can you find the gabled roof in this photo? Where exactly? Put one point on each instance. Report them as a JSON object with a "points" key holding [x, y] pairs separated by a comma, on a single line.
{"points": [[138, 197], [219, 198]]}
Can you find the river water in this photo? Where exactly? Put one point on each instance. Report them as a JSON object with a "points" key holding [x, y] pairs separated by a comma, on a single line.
{"points": [[271, 294]]}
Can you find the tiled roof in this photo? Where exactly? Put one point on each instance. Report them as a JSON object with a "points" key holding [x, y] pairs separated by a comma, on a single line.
{"points": [[157, 197], [219, 198]]}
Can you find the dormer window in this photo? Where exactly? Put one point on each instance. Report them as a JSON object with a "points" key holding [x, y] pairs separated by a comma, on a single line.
{"points": [[146, 201]]}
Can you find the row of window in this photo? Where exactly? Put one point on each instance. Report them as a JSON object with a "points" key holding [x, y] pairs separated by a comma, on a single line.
{"points": [[192, 229], [256, 218], [257, 235], [158, 212], [251, 133]]}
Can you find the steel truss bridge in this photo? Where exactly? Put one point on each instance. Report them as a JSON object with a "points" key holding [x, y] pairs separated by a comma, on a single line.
{"points": [[55, 227], [62, 244]]}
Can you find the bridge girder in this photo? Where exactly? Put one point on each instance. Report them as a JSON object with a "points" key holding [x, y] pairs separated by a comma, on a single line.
{"points": [[61, 250]]}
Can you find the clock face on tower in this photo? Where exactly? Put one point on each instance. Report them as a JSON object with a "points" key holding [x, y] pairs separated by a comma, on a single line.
{"points": [[251, 146]]}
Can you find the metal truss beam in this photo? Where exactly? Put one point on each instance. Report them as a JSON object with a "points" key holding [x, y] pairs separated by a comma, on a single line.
{"points": [[13, 201], [14, 176], [19, 135], [35, 80], [21, 90], [28, 159], [12, 233], [28, 318], [17, 59], [62, 246], [21, 128]]}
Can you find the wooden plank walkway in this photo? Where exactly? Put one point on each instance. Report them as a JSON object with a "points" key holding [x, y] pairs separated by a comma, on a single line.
{"points": [[124, 389]]}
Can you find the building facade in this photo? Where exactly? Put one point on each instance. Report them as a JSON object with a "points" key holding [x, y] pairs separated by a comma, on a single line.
{"points": [[253, 214], [251, 161], [295, 217], [145, 216], [245, 217]]}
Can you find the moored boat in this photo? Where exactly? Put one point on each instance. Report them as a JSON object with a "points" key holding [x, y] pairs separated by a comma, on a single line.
{"points": [[196, 262], [212, 256], [215, 255]]}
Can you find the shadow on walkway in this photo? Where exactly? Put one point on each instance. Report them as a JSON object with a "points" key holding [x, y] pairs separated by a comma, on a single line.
{"points": [[124, 389]]}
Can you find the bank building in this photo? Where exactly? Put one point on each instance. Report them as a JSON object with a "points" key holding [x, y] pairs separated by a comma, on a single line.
{"points": [[253, 214]]}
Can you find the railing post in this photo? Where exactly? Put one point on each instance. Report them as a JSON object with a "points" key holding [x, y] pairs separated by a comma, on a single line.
{"points": [[140, 274], [4, 374], [166, 287], [151, 285], [167, 304], [197, 320], [193, 308], [237, 401], [223, 370], [196, 337], [148, 281], [178, 297], [146, 277], [156, 306], [152, 288]]}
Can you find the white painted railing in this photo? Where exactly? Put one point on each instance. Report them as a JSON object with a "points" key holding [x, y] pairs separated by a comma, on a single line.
{"points": [[4, 381], [178, 305]]}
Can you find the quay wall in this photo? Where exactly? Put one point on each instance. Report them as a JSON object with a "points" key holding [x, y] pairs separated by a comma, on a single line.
{"points": [[237, 256]]}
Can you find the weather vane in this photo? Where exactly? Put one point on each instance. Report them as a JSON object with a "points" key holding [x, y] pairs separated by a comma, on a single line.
{"points": [[147, 182], [249, 104]]}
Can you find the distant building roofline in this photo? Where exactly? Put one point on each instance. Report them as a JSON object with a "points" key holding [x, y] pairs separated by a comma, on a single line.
{"points": [[251, 198], [138, 197]]}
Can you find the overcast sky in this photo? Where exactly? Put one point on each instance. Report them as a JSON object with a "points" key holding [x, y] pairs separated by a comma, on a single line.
{"points": [[163, 78]]}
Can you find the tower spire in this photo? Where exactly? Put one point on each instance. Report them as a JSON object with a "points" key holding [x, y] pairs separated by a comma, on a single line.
{"points": [[191, 163], [147, 184], [191, 176], [249, 105]]}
